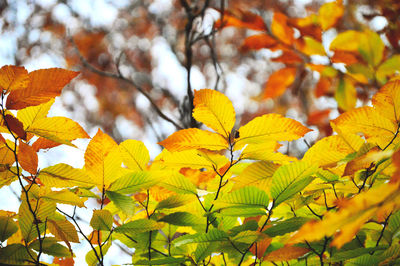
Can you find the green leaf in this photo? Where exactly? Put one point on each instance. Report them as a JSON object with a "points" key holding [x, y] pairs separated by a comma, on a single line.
{"points": [[183, 219], [161, 261], [394, 223], [51, 247], [124, 203], [214, 235], [174, 201], [251, 225], [7, 228], [204, 250], [242, 212], [286, 226], [101, 220], [246, 197], [388, 68], [133, 182], [14, 254], [248, 237], [138, 226], [290, 179], [346, 94], [349, 254], [179, 183]]}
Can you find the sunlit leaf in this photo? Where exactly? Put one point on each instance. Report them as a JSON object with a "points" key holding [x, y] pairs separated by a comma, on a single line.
{"points": [[329, 14], [101, 220], [246, 197], [64, 175], [13, 78], [348, 41], [241, 19], [183, 219], [14, 254], [257, 42], [387, 101], [258, 174], [179, 183], [7, 227], [124, 203], [213, 235], [135, 181], [286, 253], [134, 154], [139, 226], [91, 259], [50, 246], [193, 159], [346, 94], [281, 29], [31, 114], [215, 110], [27, 158], [15, 126], [194, 138], [388, 68], [45, 84]]}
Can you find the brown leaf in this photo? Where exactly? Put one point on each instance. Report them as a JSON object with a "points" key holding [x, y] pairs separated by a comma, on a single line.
{"points": [[241, 19], [42, 143], [45, 85], [27, 158], [15, 126], [288, 57], [64, 261], [279, 81], [396, 161], [286, 253], [262, 246]]}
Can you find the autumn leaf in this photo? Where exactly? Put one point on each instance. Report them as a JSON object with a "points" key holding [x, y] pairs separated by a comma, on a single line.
{"points": [[45, 85], [241, 19], [346, 94], [134, 154], [279, 81], [27, 158], [31, 114], [215, 110], [13, 78], [15, 126], [330, 13], [193, 138], [387, 101], [257, 42], [281, 29], [286, 253]]}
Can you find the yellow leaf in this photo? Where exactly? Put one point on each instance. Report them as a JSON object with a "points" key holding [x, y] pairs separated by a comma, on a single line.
{"points": [[258, 174], [312, 46], [134, 154], [365, 120], [64, 175], [191, 158], [346, 94], [351, 216], [270, 127], [45, 84], [6, 155], [281, 29], [265, 151], [33, 113], [338, 148], [348, 41], [102, 159], [286, 253], [329, 14], [63, 230], [58, 129], [194, 138], [13, 78], [63, 196], [27, 158], [7, 177], [215, 110], [387, 101]]}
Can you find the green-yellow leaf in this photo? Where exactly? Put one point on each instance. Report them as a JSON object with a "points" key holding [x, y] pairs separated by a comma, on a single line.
{"points": [[183, 219], [134, 154], [246, 197], [139, 226], [124, 203], [387, 69], [31, 114], [7, 227], [215, 110], [101, 220], [135, 181], [346, 94]]}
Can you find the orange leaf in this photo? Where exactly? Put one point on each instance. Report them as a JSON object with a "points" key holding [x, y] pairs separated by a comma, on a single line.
{"points": [[318, 117], [257, 42], [396, 161], [42, 143], [286, 253], [194, 138], [241, 19], [63, 261], [279, 81], [27, 158], [262, 246], [308, 26], [94, 237], [323, 87], [13, 78], [15, 126], [344, 57], [288, 57], [45, 85], [281, 29]]}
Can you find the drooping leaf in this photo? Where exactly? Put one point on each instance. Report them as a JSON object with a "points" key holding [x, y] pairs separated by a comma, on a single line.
{"points": [[58, 129], [134, 154], [27, 158], [51, 247], [279, 81], [270, 127], [45, 84], [215, 110], [346, 94], [281, 29], [290, 179], [14, 125], [91, 259], [101, 220], [64, 175], [175, 201], [194, 138], [13, 78], [63, 196], [7, 227], [63, 230], [7, 177]]}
